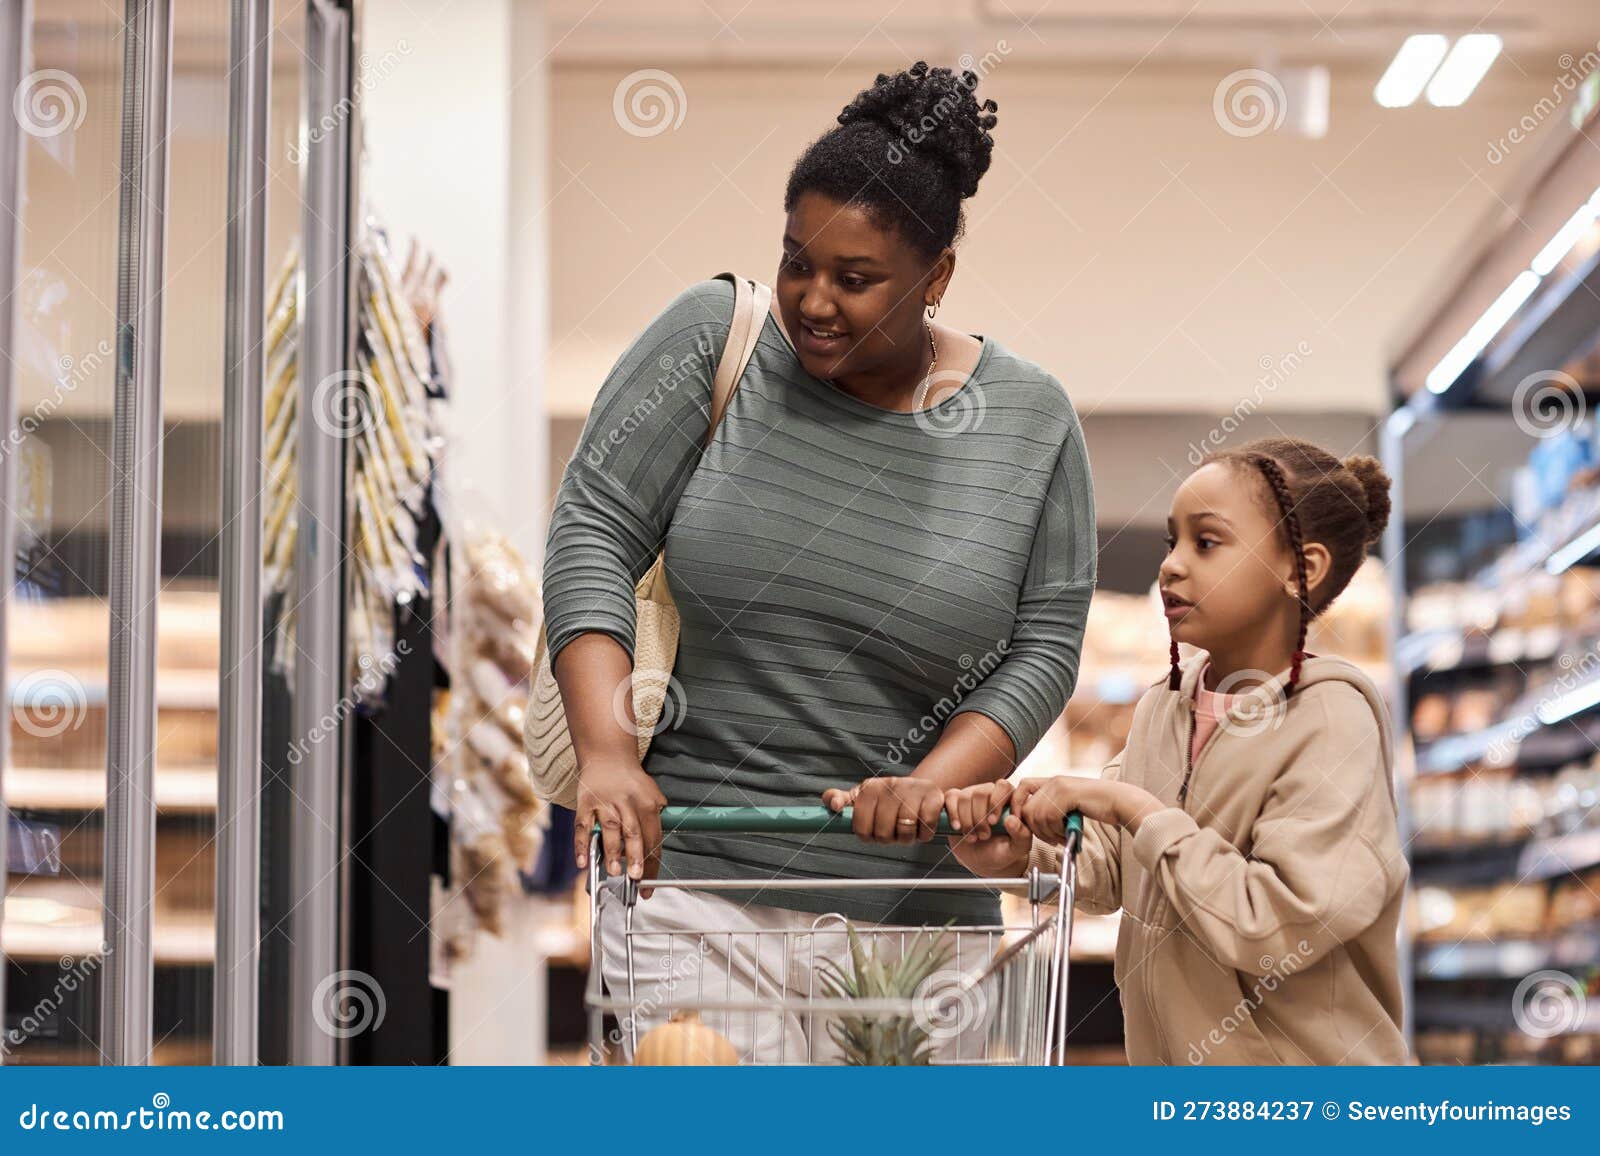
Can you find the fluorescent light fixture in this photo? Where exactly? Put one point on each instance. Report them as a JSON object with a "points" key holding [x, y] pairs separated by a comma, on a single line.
{"points": [[1579, 698], [1566, 237], [1462, 69], [1307, 92], [1402, 81], [1444, 375], [1574, 551]]}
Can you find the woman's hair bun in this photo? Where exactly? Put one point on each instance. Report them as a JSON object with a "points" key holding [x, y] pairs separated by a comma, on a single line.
{"points": [[1375, 482], [934, 112]]}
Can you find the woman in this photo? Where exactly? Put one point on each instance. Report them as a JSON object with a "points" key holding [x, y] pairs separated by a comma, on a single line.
{"points": [[883, 560]]}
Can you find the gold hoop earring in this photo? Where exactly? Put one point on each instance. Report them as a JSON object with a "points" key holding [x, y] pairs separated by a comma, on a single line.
{"points": [[933, 309]]}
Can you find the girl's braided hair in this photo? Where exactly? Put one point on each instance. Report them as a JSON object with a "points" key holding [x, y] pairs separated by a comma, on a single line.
{"points": [[1344, 505]]}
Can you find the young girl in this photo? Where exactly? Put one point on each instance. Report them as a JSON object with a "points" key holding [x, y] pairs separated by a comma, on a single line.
{"points": [[1247, 830]]}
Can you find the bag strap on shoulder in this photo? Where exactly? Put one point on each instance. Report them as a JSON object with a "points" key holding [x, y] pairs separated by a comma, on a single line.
{"points": [[751, 301]]}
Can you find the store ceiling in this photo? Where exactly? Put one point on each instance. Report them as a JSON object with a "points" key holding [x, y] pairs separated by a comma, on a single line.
{"points": [[778, 32], [1114, 31]]}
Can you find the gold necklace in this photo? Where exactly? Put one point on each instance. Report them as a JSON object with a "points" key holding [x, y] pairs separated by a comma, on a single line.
{"points": [[933, 347]]}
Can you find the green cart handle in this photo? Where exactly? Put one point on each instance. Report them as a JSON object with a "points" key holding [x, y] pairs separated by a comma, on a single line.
{"points": [[816, 820]]}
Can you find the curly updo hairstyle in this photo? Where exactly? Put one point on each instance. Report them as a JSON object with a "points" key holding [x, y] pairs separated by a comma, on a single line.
{"points": [[909, 150], [1313, 497]]}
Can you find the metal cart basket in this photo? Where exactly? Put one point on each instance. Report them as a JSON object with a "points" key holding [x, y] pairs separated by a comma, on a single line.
{"points": [[998, 994]]}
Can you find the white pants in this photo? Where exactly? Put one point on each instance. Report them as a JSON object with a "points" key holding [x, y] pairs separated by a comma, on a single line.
{"points": [[689, 946]]}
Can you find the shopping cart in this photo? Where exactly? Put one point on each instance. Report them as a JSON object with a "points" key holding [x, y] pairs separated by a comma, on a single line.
{"points": [[1000, 999]]}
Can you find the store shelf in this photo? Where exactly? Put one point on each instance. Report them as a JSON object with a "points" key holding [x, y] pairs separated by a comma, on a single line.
{"points": [[1453, 752], [1560, 321], [1567, 536], [1508, 958], [179, 789], [1505, 647], [175, 689], [1444, 650], [1491, 1014], [48, 920], [1473, 864], [173, 1051], [1548, 858], [1479, 862], [1539, 745], [1575, 546], [185, 941]]}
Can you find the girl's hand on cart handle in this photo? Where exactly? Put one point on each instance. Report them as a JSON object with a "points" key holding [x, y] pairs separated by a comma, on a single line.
{"points": [[974, 811], [627, 804], [1045, 803], [890, 808], [837, 799]]}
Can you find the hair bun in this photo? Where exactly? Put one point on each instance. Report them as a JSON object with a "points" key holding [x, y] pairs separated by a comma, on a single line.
{"points": [[934, 113], [1375, 482]]}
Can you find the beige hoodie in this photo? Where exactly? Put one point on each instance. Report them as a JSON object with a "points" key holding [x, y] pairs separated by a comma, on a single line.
{"points": [[1260, 914]]}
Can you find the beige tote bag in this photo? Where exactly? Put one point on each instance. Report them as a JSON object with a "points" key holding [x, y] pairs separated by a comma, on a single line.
{"points": [[551, 760]]}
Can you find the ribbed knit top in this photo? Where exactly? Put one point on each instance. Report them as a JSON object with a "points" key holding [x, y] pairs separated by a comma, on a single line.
{"points": [[848, 578]]}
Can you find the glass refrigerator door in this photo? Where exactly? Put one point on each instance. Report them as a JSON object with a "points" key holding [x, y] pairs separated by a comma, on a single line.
{"points": [[183, 905], [283, 265], [174, 222], [61, 157]]}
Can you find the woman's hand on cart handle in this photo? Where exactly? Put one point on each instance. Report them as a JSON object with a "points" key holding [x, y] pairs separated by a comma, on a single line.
{"points": [[890, 808], [626, 803]]}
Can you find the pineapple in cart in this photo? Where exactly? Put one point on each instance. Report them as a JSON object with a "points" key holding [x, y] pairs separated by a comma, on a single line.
{"points": [[885, 1040]]}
